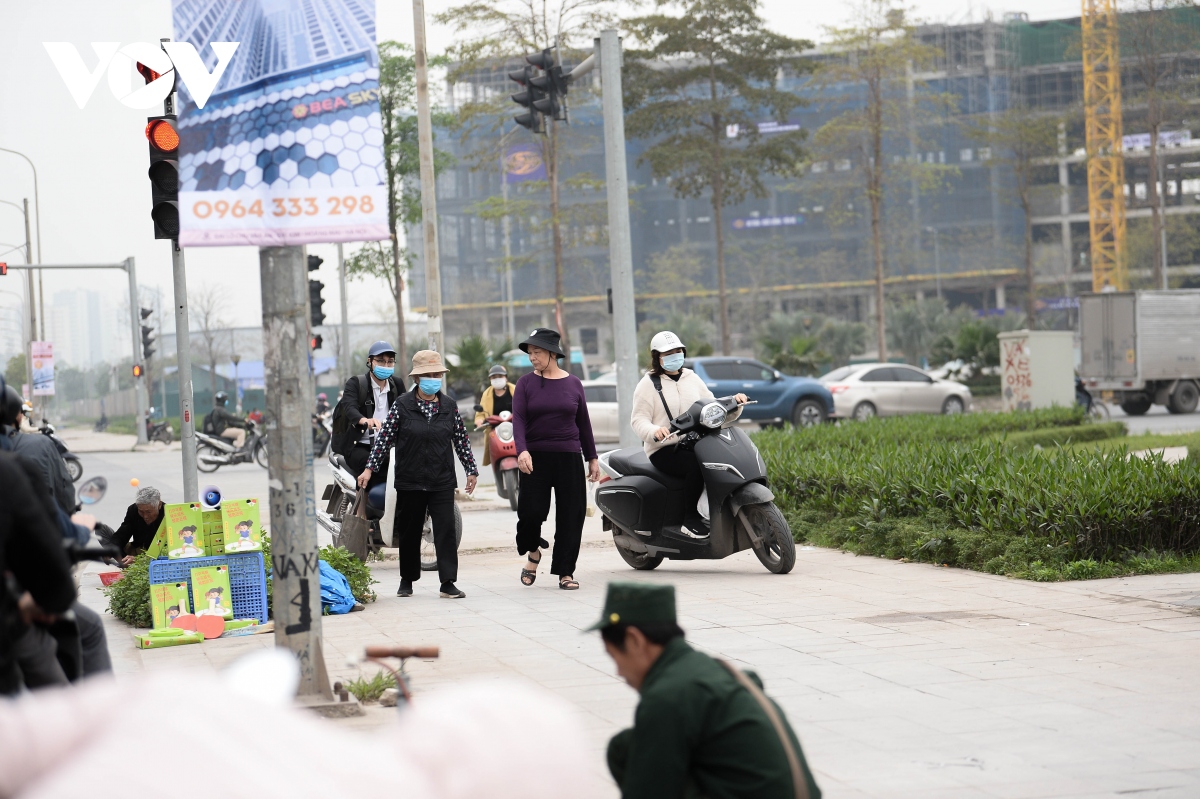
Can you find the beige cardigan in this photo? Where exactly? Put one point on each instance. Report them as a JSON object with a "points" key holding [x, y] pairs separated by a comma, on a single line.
{"points": [[649, 414]]}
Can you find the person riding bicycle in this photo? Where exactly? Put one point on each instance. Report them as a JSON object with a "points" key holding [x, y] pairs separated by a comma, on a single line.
{"points": [[220, 422], [665, 392], [496, 398], [363, 408]]}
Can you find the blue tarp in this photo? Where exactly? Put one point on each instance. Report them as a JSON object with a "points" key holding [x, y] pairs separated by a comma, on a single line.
{"points": [[336, 596]]}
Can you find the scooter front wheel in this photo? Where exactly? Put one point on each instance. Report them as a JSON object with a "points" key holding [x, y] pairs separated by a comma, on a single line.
{"points": [[74, 468], [205, 449], [778, 549], [638, 560]]}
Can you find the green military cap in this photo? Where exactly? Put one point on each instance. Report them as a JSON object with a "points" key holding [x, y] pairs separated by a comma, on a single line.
{"points": [[634, 603]]}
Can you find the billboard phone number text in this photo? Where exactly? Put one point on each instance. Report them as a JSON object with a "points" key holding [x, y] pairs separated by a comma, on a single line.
{"points": [[334, 205]]}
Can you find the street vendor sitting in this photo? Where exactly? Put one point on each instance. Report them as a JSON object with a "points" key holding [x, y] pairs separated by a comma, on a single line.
{"points": [[142, 520]]}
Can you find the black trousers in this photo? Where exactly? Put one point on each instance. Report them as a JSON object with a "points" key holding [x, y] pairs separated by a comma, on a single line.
{"points": [[357, 459], [411, 507], [682, 463], [562, 473]]}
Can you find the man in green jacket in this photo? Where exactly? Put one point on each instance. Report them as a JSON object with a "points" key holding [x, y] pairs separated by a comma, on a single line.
{"points": [[702, 728]]}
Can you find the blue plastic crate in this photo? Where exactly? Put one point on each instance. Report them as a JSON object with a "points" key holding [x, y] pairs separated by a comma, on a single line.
{"points": [[247, 579]]}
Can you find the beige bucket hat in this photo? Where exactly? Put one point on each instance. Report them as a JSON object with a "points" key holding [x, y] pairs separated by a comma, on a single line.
{"points": [[427, 362]]}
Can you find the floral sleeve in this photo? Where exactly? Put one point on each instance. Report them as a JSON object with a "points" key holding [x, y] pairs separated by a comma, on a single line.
{"points": [[384, 439]]}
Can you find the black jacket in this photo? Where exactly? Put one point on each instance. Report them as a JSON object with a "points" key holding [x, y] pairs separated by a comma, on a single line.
{"points": [[135, 531], [221, 419], [351, 409], [41, 450], [424, 449]]}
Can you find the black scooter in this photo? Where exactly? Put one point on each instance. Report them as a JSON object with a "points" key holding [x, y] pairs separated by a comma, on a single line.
{"points": [[646, 509], [73, 464]]}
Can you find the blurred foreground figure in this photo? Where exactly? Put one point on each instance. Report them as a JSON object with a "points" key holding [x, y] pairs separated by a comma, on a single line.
{"points": [[236, 734]]}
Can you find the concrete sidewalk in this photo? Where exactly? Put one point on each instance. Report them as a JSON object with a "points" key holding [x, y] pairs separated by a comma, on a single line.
{"points": [[903, 680]]}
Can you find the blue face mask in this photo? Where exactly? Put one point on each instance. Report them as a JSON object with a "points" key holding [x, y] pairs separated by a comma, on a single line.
{"points": [[431, 385], [673, 362], [383, 372]]}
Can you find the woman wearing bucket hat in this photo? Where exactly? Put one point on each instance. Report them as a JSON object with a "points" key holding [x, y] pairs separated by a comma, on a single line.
{"points": [[552, 428], [426, 428]]}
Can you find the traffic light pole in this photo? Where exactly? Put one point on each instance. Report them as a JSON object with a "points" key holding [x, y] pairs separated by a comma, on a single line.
{"points": [[141, 394], [183, 359], [289, 399], [620, 253], [433, 275], [344, 367]]}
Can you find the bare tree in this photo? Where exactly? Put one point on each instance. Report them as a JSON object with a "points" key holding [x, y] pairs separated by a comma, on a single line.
{"points": [[205, 308], [1154, 35]]}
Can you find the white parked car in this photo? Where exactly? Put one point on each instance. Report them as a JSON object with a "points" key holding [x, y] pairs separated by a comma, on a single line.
{"points": [[601, 396], [885, 389]]}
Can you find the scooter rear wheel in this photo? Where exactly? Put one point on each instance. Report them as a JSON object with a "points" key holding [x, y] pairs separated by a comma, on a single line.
{"points": [[638, 560], [74, 468], [511, 488], [778, 549], [203, 449]]}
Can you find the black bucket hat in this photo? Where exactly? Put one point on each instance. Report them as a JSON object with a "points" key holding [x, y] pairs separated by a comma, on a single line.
{"points": [[545, 338]]}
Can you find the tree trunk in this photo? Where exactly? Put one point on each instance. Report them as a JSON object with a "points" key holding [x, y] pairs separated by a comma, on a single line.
{"points": [[1031, 287], [875, 192], [717, 204], [398, 283], [556, 229], [1156, 220]]}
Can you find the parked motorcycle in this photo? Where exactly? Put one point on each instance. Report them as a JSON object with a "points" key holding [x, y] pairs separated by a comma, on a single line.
{"points": [[213, 452], [1096, 408], [339, 497], [646, 509], [74, 465], [322, 431], [159, 430], [503, 447]]}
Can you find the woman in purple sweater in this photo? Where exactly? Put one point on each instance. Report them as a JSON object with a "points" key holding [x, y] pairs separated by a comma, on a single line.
{"points": [[552, 427]]}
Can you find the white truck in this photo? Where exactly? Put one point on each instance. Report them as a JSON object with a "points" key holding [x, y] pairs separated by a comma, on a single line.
{"points": [[1143, 346]]}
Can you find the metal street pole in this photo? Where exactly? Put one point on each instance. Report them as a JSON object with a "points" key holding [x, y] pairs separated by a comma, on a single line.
{"points": [[33, 315], [506, 222], [620, 253], [183, 361], [289, 399], [37, 208], [1162, 216], [344, 367], [140, 393], [433, 275]]}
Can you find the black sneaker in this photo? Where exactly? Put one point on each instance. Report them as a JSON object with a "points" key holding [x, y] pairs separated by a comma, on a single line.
{"points": [[451, 591], [405, 588]]}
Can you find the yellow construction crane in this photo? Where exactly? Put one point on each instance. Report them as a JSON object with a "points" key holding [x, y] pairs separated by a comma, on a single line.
{"points": [[1105, 162]]}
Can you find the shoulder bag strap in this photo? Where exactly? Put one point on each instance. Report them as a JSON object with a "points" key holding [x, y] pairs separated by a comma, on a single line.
{"points": [[364, 389], [656, 381], [799, 783]]}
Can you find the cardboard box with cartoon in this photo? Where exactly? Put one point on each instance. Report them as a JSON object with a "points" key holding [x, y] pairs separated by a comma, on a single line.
{"points": [[210, 592], [168, 601], [185, 525], [243, 528]]}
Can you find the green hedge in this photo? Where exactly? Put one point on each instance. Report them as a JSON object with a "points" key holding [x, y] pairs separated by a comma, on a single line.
{"points": [[923, 488], [1061, 436]]}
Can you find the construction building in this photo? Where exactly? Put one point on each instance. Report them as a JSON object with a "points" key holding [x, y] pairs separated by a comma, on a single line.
{"points": [[806, 246]]}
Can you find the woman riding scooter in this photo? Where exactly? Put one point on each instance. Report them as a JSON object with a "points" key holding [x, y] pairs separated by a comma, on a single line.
{"points": [[665, 392]]}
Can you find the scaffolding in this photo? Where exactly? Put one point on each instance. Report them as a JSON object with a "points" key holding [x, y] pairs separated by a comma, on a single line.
{"points": [[1105, 161]]}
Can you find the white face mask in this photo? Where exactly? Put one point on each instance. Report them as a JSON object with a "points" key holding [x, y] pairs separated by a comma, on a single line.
{"points": [[499, 383]]}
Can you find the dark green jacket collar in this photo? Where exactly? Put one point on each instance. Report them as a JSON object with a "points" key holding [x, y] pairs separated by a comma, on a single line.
{"points": [[675, 649]]}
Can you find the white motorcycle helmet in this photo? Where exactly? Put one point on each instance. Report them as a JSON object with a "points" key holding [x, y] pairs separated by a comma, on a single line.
{"points": [[665, 341]]}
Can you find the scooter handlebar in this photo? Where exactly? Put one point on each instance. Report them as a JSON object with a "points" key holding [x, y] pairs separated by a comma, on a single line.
{"points": [[402, 651]]}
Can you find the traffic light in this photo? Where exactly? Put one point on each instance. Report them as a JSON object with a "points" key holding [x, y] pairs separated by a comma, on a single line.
{"points": [[147, 335], [164, 175], [164, 168], [315, 342], [314, 262], [552, 82], [528, 95], [315, 301], [137, 370], [3, 268]]}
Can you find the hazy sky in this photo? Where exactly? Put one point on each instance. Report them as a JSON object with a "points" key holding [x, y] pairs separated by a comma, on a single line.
{"points": [[95, 197]]}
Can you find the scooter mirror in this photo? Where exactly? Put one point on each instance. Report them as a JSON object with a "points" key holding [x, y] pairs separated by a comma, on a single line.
{"points": [[93, 491]]}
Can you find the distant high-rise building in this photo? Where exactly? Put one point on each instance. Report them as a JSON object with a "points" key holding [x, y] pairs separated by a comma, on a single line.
{"points": [[86, 328]]}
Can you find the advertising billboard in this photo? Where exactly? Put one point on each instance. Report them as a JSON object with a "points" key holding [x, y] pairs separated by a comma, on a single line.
{"points": [[289, 148], [42, 354]]}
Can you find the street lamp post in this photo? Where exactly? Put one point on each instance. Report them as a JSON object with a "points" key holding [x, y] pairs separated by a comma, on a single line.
{"points": [[31, 317], [37, 212], [937, 259]]}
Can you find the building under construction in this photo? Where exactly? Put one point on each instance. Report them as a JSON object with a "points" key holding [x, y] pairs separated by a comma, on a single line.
{"points": [[805, 247]]}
